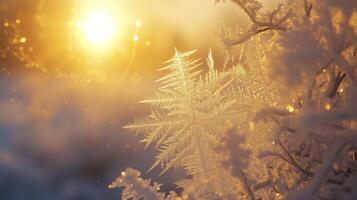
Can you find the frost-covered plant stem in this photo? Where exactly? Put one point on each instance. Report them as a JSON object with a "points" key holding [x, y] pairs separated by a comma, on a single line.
{"points": [[321, 174]]}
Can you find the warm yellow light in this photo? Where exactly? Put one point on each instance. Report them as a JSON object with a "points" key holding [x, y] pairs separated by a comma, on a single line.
{"points": [[98, 28], [138, 23], [328, 106], [136, 38], [147, 43], [290, 108], [23, 40]]}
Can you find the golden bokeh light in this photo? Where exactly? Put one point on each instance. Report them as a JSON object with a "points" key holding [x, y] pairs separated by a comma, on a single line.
{"points": [[23, 39], [136, 38], [328, 106], [290, 108], [138, 23]]}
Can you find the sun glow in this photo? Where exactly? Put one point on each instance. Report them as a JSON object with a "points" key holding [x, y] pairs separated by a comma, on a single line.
{"points": [[98, 28]]}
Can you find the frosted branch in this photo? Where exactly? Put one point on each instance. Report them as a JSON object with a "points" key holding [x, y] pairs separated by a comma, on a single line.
{"points": [[321, 175], [262, 22]]}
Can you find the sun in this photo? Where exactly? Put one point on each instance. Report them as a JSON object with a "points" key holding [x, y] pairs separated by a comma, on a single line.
{"points": [[98, 28]]}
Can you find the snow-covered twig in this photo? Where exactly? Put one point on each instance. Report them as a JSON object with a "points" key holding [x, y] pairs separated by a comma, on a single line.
{"points": [[261, 22], [321, 175]]}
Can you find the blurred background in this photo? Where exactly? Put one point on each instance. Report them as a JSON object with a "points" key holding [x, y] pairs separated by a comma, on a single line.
{"points": [[71, 74]]}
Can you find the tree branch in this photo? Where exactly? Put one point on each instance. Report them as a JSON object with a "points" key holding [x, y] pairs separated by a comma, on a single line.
{"points": [[270, 21]]}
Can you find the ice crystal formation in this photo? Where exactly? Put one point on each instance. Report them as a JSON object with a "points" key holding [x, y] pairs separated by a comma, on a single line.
{"points": [[186, 110], [137, 188], [240, 136], [183, 122]]}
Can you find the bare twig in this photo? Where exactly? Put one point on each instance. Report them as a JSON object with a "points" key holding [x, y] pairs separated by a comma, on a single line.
{"points": [[247, 187], [322, 69], [293, 161], [308, 8], [336, 84]]}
